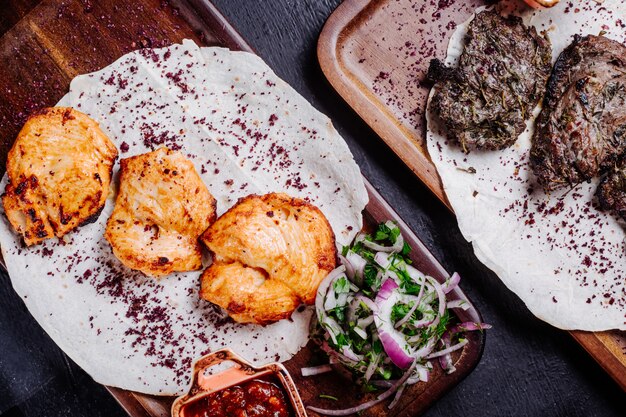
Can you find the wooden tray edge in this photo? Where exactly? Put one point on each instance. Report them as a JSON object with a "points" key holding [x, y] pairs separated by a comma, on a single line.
{"points": [[367, 109], [597, 344], [128, 402]]}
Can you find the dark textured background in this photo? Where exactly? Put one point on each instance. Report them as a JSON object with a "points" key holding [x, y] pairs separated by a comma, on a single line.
{"points": [[528, 368]]}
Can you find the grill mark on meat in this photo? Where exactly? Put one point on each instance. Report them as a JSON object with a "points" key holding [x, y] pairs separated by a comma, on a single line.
{"points": [[501, 77], [581, 130]]}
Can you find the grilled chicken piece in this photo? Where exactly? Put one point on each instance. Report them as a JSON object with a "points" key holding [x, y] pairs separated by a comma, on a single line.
{"points": [[160, 212], [581, 130], [502, 72], [270, 254], [611, 192], [59, 171], [542, 3]]}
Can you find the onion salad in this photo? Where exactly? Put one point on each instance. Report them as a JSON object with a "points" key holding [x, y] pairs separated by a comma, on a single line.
{"points": [[384, 320]]}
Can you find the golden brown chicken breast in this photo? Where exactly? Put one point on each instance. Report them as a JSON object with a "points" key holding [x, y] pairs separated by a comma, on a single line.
{"points": [[160, 212], [270, 254], [59, 171]]}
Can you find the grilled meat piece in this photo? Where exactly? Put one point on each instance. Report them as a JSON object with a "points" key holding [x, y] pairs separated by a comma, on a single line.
{"points": [[500, 78], [611, 192], [59, 171], [581, 130], [270, 254], [160, 212]]}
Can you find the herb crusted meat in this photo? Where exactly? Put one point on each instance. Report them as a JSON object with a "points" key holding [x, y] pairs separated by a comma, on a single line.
{"points": [[500, 78], [611, 192], [581, 130]]}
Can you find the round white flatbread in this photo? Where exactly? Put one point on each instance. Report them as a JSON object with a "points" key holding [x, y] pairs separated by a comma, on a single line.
{"points": [[246, 131], [564, 258]]}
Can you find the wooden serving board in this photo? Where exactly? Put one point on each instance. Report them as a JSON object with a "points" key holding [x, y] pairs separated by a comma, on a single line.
{"points": [[376, 54], [59, 39]]}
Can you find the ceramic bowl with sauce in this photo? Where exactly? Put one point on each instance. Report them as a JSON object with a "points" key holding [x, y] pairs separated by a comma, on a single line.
{"points": [[226, 385]]}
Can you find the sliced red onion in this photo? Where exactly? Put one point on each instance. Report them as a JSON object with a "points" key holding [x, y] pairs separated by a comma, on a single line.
{"points": [[349, 267], [462, 304], [428, 318], [395, 248], [342, 299], [396, 397], [340, 357], [451, 283], [348, 353], [331, 300], [372, 367], [362, 333], [412, 310], [358, 264], [446, 364], [382, 397], [468, 326], [425, 350], [354, 304], [446, 360], [422, 374], [364, 322], [388, 274], [394, 345], [416, 275], [442, 299], [448, 350], [392, 340], [316, 370], [322, 289], [385, 291], [382, 259], [332, 327]]}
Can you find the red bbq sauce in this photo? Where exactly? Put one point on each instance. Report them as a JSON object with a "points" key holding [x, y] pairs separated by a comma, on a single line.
{"points": [[262, 397]]}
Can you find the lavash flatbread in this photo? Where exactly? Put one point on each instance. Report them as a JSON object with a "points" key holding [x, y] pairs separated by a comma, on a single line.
{"points": [[565, 259], [246, 131]]}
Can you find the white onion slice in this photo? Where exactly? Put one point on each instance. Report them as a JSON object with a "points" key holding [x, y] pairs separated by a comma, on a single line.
{"points": [[412, 310], [364, 322], [468, 326], [382, 259], [422, 373], [322, 289], [396, 397], [451, 283], [355, 303], [316, 370], [372, 367], [349, 267], [442, 299], [358, 264], [448, 350], [349, 353], [425, 350], [395, 248], [361, 332]]}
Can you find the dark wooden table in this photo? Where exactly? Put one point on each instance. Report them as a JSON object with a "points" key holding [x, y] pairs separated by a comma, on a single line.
{"points": [[528, 368]]}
